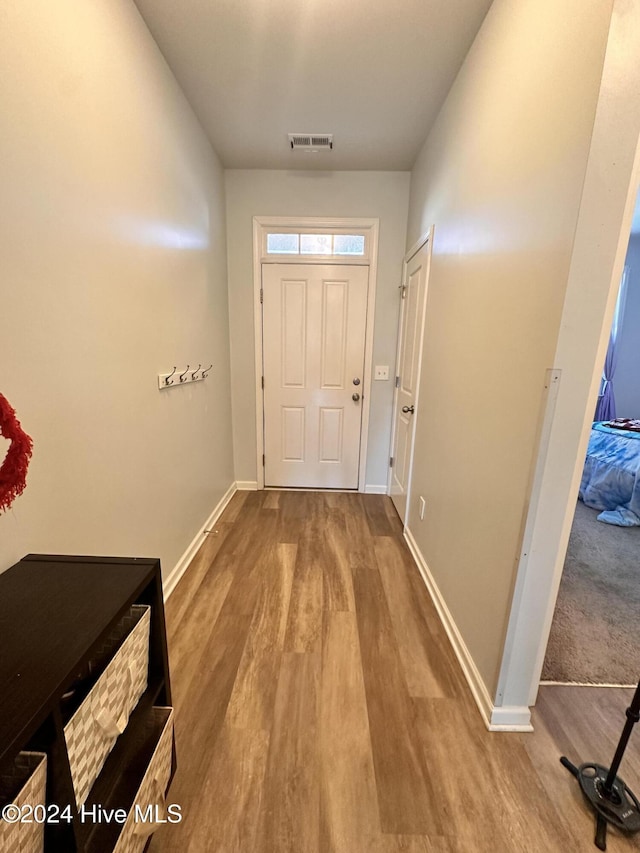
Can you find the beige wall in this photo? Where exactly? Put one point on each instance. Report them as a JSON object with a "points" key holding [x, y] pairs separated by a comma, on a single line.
{"points": [[113, 269], [500, 176], [252, 193]]}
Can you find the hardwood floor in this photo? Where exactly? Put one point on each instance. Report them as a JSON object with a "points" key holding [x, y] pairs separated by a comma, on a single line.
{"points": [[320, 708]]}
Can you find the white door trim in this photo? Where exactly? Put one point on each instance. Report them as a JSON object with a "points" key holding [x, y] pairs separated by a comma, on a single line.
{"points": [[262, 224], [422, 241], [599, 249]]}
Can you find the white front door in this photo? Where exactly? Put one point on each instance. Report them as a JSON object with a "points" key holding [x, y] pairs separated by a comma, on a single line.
{"points": [[412, 311], [314, 323]]}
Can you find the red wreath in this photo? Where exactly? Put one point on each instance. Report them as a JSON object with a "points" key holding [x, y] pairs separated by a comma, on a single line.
{"points": [[13, 472]]}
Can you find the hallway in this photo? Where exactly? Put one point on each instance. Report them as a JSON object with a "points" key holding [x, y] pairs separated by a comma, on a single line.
{"points": [[320, 707]]}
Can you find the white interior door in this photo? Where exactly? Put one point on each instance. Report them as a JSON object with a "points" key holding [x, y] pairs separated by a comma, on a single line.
{"points": [[411, 325], [314, 324]]}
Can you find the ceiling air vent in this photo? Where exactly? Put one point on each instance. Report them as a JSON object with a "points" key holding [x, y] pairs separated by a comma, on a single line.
{"points": [[311, 141]]}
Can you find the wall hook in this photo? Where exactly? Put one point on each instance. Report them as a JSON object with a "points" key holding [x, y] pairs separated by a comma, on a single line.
{"points": [[206, 371], [182, 375], [193, 375], [168, 380]]}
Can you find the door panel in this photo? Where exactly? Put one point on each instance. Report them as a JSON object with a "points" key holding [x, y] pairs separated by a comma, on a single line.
{"points": [[293, 434], [334, 333], [314, 324], [410, 349], [294, 329], [411, 327], [331, 421]]}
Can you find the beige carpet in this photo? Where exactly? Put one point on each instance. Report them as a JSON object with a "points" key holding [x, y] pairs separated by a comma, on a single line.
{"points": [[595, 635]]}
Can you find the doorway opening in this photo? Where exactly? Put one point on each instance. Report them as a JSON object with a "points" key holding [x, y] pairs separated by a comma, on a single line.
{"points": [[593, 637], [314, 290], [595, 267]]}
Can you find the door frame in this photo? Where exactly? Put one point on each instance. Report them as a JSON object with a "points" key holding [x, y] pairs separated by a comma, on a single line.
{"points": [[422, 241], [261, 226]]}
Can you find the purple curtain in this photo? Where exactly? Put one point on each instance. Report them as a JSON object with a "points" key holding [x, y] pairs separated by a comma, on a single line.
{"points": [[606, 408]]}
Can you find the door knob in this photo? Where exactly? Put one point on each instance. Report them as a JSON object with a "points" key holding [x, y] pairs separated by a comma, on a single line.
{"points": [[408, 409], [355, 397], [356, 381]]}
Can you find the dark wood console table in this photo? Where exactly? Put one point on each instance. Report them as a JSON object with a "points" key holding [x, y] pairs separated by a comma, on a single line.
{"points": [[55, 611]]}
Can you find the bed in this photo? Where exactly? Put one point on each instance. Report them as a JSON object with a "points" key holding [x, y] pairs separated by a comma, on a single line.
{"points": [[611, 475]]}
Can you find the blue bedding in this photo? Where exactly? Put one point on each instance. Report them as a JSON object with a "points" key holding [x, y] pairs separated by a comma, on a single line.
{"points": [[611, 475]]}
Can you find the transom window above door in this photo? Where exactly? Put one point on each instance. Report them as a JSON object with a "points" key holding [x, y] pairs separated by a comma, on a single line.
{"points": [[281, 243], [316, 244]]}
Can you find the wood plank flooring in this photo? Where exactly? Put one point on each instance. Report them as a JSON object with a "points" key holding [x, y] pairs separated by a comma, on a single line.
{"points": [[320, 708]]}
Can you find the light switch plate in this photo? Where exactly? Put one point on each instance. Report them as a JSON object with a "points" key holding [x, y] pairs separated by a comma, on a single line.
{"points": [[381, 371]]}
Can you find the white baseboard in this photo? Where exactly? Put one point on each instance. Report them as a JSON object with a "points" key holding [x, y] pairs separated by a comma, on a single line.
{"points": [[585, 684], [247, 485], [181, 566], [496, 719], [375, 490]]}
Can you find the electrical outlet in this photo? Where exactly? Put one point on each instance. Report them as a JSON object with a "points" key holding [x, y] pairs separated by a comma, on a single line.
{"points": [[381, 371], [422, 504]]}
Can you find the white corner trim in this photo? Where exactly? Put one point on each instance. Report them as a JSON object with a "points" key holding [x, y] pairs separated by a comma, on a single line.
{"points": [[510, 718], [375, 490], [497, 719], [183, 563], [247, 485]]}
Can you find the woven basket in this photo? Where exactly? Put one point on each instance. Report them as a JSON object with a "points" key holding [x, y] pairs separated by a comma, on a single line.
{"points": [[93, 730], [150, 798], [23, 785]]}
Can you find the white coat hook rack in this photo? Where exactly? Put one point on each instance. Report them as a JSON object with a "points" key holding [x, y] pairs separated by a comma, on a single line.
{"points": [[176, 378]]}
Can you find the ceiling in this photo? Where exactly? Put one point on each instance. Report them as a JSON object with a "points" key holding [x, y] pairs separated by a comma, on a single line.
{"points": [[372, 72]]}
